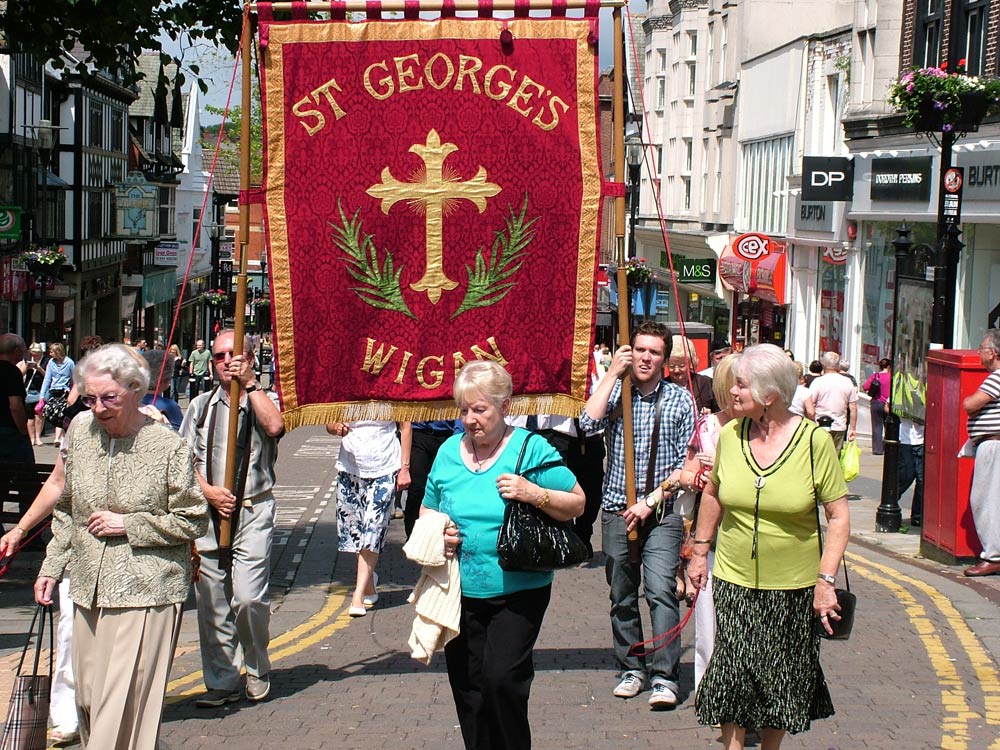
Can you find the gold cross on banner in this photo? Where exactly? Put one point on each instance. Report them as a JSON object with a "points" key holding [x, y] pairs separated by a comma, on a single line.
{"points": [[432, 194]]}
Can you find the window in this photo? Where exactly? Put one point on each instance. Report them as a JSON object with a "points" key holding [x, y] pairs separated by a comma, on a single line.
{"points": [[717, 197], [711, 52], [661, 92], [764, 184], [659, 160], [195, 234], [686, 182], [688, 154], [723, 46], [117, 130], [970, 26], [166, 210], [96, 124], [692, 74], [692, 43], [95, 228], [662, 60], [927, 36]]}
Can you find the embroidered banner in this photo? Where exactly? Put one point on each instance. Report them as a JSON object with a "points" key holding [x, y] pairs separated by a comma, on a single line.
{"points": [[432, 197]]}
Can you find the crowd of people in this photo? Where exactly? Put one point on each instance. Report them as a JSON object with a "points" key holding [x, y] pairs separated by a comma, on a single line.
{"points": [[732, 465]]}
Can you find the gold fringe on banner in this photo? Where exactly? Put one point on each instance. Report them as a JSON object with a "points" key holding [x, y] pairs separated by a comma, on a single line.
{"points": [[387, 411]]}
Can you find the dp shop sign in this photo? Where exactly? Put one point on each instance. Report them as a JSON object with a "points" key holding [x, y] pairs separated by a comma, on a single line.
{"points": [[907, 179], [827, 178]]}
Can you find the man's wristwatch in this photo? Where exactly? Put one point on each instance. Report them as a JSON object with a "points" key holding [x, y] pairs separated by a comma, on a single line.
{"points": [[652, 501], [252, 388]]}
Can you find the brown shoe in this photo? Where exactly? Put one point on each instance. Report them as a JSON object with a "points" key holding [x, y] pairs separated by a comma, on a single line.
{"points": [[983, 568]]}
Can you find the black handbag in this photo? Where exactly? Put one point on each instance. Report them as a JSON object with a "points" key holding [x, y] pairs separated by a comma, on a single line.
{"points": [[54, 410], [530, 540], [841, 628]]}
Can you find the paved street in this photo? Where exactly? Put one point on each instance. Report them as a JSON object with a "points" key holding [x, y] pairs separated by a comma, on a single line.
{"points": [[920, 672]]}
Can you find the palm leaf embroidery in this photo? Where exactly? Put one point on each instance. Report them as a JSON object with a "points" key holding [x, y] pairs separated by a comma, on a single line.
{"points": [[491, 279], [379, 284]]}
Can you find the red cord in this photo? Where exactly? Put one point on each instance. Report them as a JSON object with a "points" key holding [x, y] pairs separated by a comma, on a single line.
{"points": [[639, 649], [208, 191], [5, 561]]}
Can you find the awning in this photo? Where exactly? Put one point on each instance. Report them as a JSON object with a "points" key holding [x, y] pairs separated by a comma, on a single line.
{"points": [[760, 272], [50, 179]]}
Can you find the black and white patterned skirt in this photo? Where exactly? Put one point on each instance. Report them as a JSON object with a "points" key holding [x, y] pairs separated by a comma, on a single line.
{"points": [[765, 669]]}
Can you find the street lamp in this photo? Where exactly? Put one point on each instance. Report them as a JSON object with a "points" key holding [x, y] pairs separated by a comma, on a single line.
{"points": [[888, 517], [44, 138], [633, 157]]}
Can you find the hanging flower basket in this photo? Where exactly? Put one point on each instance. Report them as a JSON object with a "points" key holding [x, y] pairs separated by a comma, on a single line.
{"points": [[934, 100], [262, 302], [215, 297], [638, 273], [43, 261]]}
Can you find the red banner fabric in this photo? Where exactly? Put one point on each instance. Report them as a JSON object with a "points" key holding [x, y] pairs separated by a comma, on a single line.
{"points": [[432, 197]]}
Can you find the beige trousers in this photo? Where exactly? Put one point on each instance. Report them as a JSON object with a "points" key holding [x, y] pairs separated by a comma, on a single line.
{"points": [[121, 659]]}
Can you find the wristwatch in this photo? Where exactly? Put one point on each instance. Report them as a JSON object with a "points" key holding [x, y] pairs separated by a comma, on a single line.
{"points": [[829, 579], [652, 501], [253, 387]]}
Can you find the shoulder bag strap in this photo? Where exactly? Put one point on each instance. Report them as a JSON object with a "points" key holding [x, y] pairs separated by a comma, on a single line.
{"points": [[654, 441], [819, 529], [540, 467]]}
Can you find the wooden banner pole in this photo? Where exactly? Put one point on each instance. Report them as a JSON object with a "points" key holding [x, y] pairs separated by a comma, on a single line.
{"points": [[618, 115], [239, 325]]}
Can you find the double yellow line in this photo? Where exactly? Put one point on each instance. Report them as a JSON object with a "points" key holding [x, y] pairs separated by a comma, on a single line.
{"points": [[958, 715], [331, 618]]}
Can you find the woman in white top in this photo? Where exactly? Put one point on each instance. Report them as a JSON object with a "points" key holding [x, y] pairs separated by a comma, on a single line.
{"points": [[373, 464], [802, 402]]}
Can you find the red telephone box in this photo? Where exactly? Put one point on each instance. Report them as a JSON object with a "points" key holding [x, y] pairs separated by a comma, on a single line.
{"points": [[949, 534]]}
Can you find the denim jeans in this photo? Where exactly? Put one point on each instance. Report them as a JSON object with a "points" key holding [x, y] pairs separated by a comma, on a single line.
{"points": [[661, 546], [911, 469]]}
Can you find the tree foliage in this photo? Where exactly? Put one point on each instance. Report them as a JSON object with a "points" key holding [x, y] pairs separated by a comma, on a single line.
{"points": [[113, 33], [234, 121]]}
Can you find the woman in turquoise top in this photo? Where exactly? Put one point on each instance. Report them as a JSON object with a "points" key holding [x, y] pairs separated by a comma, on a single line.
{"points": [[489, 663], [769, 579], [58, 380]]}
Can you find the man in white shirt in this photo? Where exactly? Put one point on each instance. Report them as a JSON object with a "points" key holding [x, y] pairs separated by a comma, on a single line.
{"points": [[835, 398]]}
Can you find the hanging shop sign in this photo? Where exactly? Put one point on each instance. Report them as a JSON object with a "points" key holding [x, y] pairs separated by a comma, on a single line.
{"points": [[813, 217], [905, 179], [10, 222], [165, 253], [755, 264], [827, 178], [135, 207]]}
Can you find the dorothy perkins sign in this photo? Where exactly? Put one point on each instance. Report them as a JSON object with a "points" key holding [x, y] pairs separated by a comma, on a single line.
{"points": [[907, 179]]}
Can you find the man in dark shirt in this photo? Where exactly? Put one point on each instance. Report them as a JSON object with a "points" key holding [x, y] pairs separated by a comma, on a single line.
{"points": [[15, 446]]}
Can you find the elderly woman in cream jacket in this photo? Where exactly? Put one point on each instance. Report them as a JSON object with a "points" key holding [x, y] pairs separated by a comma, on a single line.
{"points": [[129, 512]]}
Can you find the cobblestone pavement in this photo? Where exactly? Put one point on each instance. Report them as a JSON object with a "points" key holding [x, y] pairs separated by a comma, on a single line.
{"points": [[919, 672]]}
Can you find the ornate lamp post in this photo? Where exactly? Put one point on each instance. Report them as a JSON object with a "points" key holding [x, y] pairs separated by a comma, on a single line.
{"points": [[633, 157], [888, 517]]}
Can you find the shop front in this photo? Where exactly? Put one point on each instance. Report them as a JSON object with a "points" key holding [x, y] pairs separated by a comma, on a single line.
{"points": [[753, 267], [889, 191]]}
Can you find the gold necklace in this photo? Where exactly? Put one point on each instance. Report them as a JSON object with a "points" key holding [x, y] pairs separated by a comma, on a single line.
{"points": [[475, 454]]}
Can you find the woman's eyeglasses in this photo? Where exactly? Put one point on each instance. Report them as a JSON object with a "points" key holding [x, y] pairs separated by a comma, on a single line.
{"points": [[110, 400]]}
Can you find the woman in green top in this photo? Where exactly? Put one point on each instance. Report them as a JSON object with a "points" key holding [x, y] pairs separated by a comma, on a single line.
{"points": [[769, 581], [489, 663]]}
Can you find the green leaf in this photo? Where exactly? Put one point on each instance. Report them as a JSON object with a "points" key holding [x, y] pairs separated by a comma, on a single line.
{"points": [[379, 283], [488, 278]]}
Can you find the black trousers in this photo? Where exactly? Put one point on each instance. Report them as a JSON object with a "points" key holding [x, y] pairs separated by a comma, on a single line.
{"points": [[423, 450], [490, 668]]}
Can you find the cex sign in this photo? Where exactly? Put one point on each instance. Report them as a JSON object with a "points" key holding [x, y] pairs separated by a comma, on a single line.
{"points": [[827, 178]]}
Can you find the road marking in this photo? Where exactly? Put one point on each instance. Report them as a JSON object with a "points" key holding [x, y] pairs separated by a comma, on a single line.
{"points": [[331, 618], [983, 666]]}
